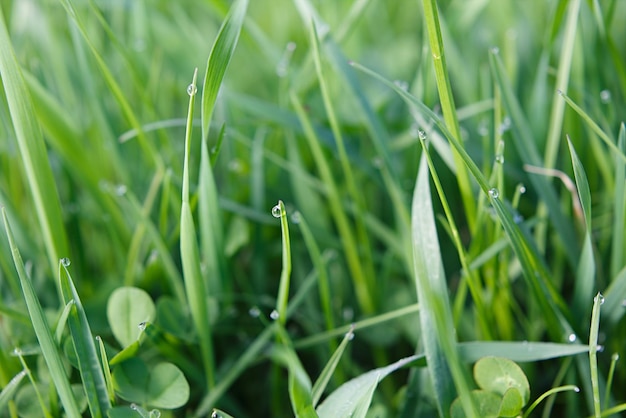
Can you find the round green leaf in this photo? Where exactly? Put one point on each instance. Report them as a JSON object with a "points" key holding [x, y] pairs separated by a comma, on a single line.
{"points": [[126, 309], [512, 403], [498, 375], [163, 386], [487, 403]]}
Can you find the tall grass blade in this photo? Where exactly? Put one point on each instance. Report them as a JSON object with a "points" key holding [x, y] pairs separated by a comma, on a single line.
{"points": [[194, 281], [32, 152], [593, 350], [209, 215], [431, 16], [320, 384], [618, 251], [585, 273], [437, 325], [84, 345], [9, 390], [42, 330]]}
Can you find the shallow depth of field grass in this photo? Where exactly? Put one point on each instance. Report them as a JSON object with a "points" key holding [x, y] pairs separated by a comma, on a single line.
{"points": [[312, 208]]}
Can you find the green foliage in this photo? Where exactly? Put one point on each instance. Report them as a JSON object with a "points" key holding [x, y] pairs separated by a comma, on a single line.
{"points": [[412, 148]]}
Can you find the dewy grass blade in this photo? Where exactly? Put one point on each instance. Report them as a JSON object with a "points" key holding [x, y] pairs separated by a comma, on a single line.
{"points": [[42, 331], [280, 212], [431, 16], [593, 349], [32, 151], [84, 345], [209, 213], [190, 257], [437, 326]]}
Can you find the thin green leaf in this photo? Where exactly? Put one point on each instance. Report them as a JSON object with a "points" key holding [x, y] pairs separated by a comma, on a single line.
{"points": [[42, 330], [282, 299], [190, 257], [9, 390], [357, 393], [593, 349], [437, 326], [520, 352], [33, 152], [618, 250], [86, 354], [585, 273], [320, 384]]}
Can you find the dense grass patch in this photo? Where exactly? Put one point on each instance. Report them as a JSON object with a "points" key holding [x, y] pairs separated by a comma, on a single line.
{"points": [[265, 208]]}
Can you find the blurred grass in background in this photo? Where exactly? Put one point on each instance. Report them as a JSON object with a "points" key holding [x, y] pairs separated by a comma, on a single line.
{"points": [[108, 81]]}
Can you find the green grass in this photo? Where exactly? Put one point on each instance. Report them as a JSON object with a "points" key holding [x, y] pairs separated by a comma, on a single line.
{"points": [[146, 266]]}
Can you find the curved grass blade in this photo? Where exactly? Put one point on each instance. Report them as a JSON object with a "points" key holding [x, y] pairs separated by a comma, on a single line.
{"points": [[42, 330], [618, 250], [33, 152], [209, 215], [86, 354], [9, 390], [593, 349], [279, 211]]}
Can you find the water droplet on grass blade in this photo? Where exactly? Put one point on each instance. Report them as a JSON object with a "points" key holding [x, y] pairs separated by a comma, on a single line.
{"points": [[277, 212], [274, 315], [599, 298], [192, 89], [155, 413], [254, 312], [421, 135], [615, 357], [522, 189], [605, 96], [576, 389], [571, 338], [120, 190], [494, 193], [494, 50], [142, 326], [402, 85], [65, 262]]}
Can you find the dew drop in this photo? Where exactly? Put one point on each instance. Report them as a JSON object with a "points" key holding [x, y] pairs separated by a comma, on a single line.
{"points": [[599, 298], [605, 96], [214, 414], [500, 159], [17, 351], [142, 326], [155, 413], [494, 193], [494, 50], [615, 357], [192, 89], [560, 92], [274, 315], [65, 262], [571, 338], [295, 218], [522, 189], [277, 211], [599, 348], [421, 135], [402, 85], [254, 312], [576, 389], [134, 406], [120, 190]]}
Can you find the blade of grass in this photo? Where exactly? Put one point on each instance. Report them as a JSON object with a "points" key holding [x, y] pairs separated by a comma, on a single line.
{"points": [[618, 251], [593, 349], [279, 211], [89, 365], [585, 273], [431, 16], [209, 214], [42, 330], [33, 153], [320, 384], [356, 196], [437, 325], [190, 257], [348, 240], [9, 390]]}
